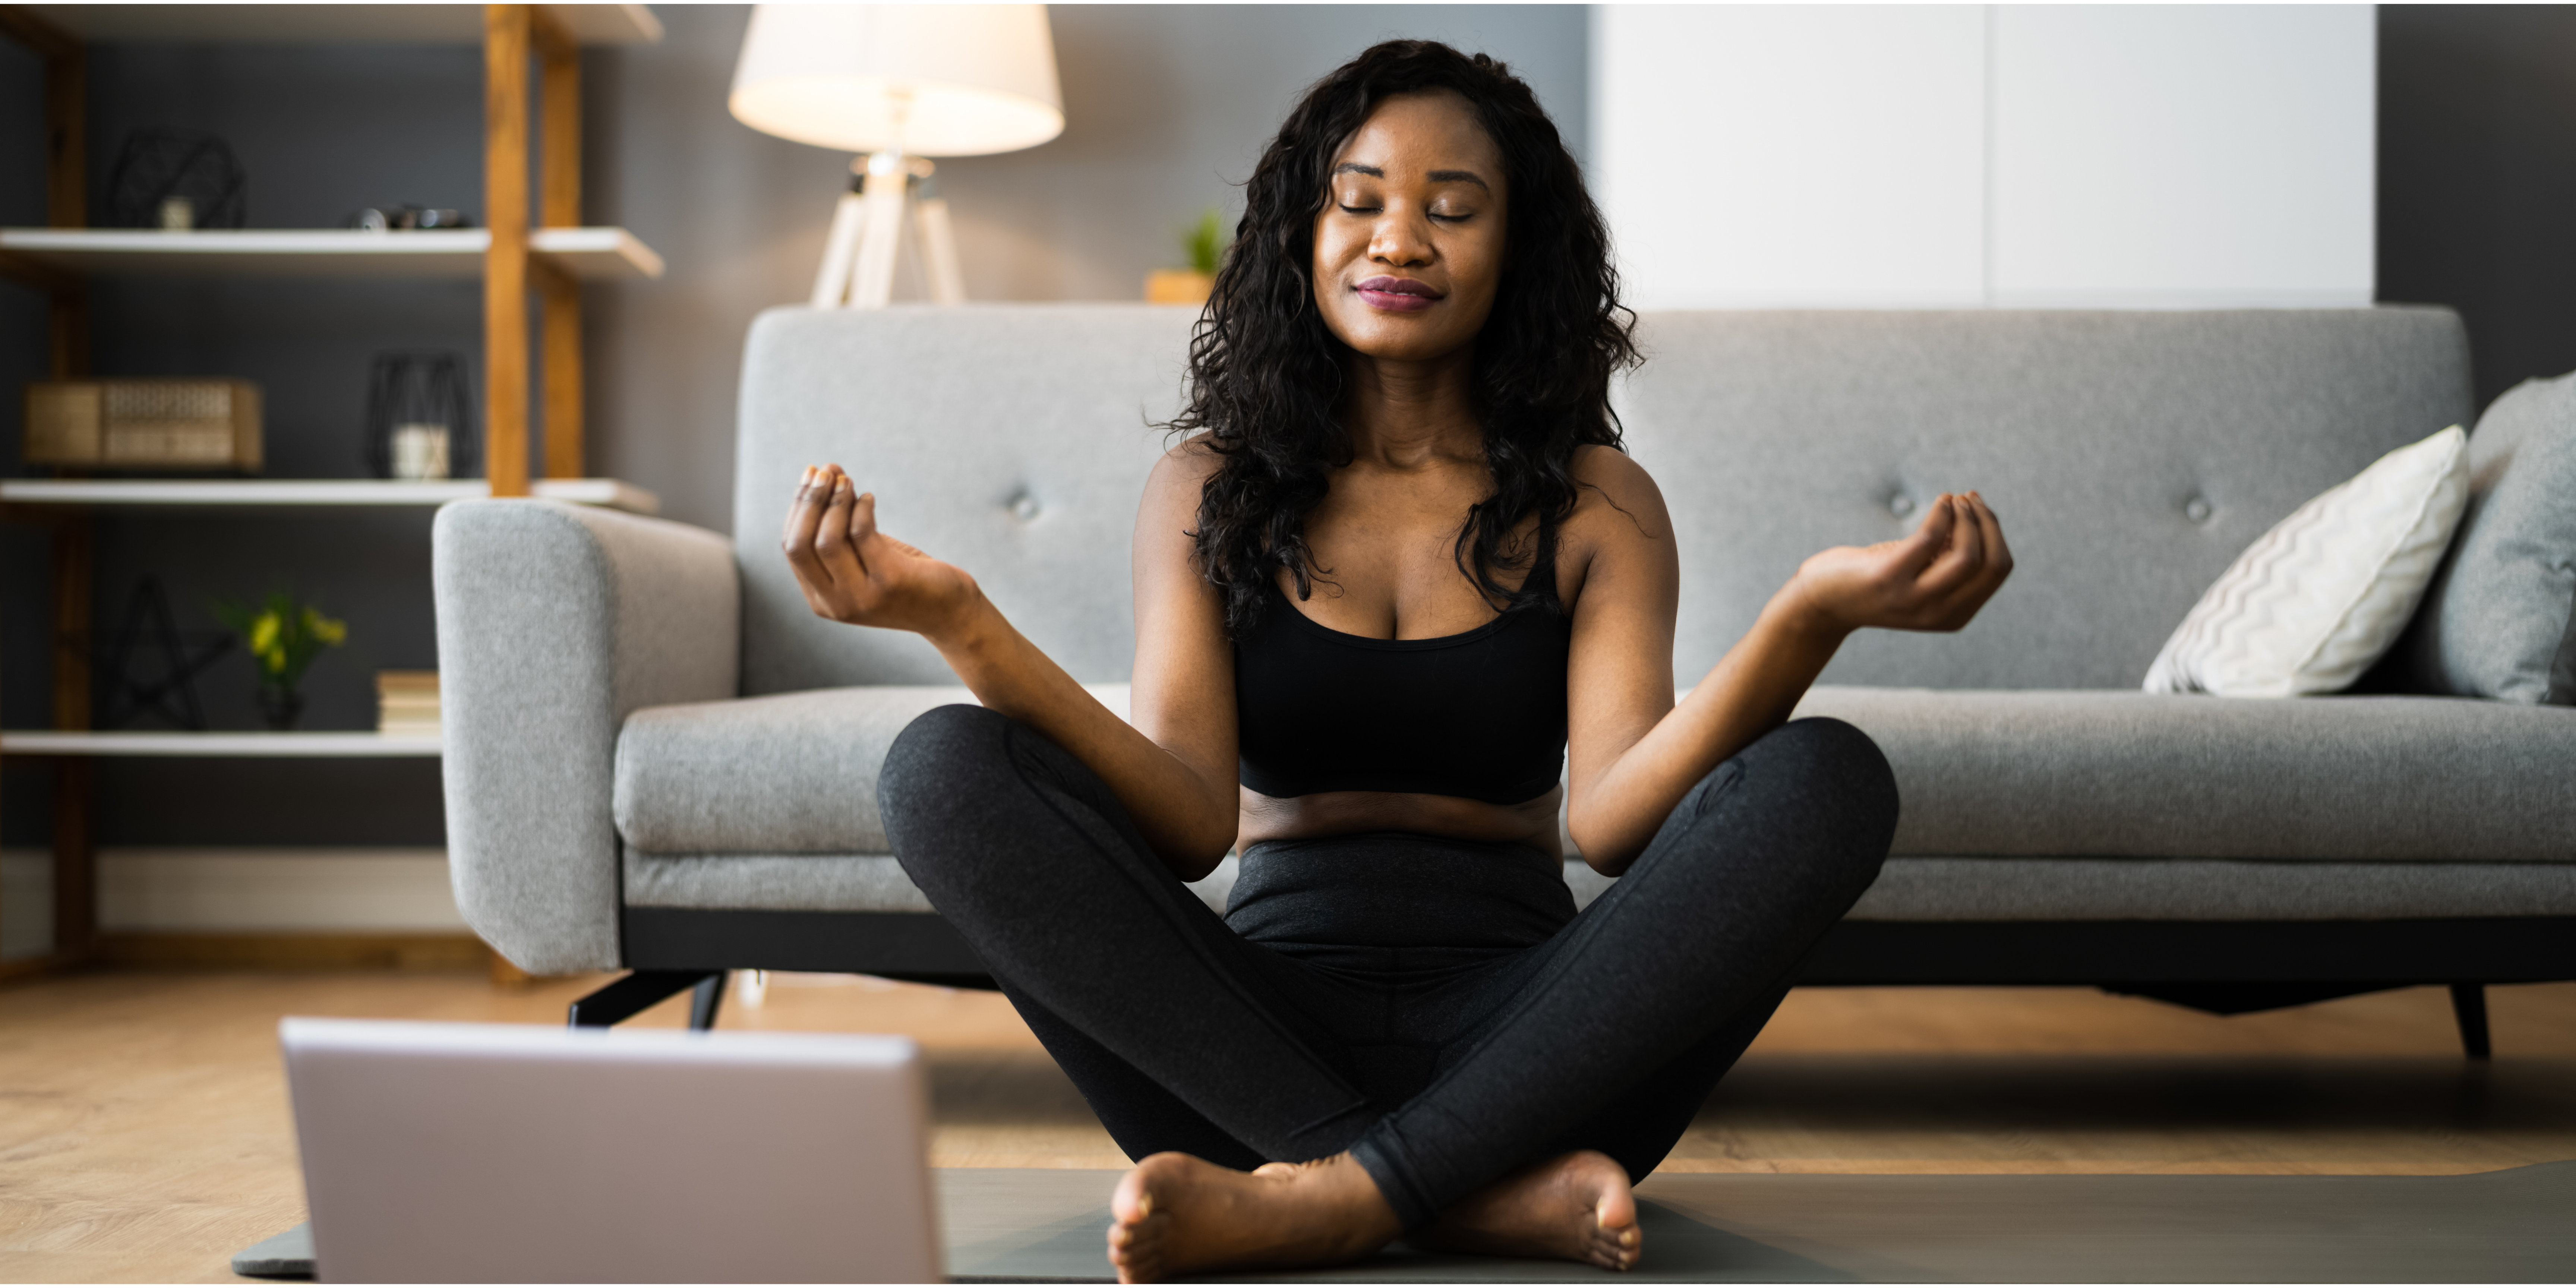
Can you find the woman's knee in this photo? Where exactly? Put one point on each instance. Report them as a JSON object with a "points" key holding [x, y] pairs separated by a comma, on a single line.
{"points": [[1841, 770], [965, 779], [935, 766], [1839, 751]]}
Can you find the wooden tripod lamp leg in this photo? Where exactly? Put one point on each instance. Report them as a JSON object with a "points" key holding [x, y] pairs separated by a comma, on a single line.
{"points": [[840, 250]]}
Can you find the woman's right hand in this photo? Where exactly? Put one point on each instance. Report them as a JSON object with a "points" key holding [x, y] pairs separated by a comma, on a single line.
{"points": [[852, 573], [1934, 580]]}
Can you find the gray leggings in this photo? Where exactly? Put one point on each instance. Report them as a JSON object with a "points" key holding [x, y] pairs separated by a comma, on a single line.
{"points": [[1436, 1007]]}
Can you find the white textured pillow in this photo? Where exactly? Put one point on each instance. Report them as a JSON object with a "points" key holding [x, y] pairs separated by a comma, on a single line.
{"points": [[2309, 606]]}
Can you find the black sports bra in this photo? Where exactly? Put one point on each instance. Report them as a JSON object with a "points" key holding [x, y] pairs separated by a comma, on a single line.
{"points": [[1479, 715]]}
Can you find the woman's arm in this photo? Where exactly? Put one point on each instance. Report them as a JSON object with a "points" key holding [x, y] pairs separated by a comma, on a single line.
{"points": [[1633, 753], [1180, 792]]}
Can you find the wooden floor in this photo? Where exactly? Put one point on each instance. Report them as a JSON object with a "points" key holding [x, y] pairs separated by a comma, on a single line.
{"points": [[144, 1132]]}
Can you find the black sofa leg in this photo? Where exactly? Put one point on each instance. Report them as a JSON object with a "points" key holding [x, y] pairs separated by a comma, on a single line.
{"points": [[709, 996], [639, 991], [2469, 1004]]}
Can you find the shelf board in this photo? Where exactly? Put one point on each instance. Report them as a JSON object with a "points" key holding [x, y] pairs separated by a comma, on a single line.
{"points": [[597, 254], [614, 494], [44, 742], [405, 24]]}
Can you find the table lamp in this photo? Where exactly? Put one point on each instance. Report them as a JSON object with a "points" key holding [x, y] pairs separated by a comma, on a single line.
{"points": [[900, 84]]}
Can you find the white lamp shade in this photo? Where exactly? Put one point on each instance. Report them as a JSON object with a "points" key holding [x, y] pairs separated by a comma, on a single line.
{"points": [[932, 79]]}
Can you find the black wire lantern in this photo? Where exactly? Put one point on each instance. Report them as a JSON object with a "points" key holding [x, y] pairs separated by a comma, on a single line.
{"points": [[176, 180], [420, 419]]}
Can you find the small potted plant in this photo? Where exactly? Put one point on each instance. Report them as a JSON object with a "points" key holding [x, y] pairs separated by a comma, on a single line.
{"points": [[1204, 244], [284, 638]]}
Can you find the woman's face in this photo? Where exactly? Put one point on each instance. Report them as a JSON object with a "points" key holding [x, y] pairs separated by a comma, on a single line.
{"points": [[1409, 247]]}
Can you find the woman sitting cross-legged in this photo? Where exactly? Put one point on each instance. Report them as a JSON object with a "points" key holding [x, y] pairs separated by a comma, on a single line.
{"points": [[1398, 572]]}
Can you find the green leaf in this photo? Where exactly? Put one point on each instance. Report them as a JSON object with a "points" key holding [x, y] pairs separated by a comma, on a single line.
{"points": [[1204, 242]]}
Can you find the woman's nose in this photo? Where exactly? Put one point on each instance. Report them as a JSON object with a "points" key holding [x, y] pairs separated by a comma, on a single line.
{"points": [[1399, 240]]}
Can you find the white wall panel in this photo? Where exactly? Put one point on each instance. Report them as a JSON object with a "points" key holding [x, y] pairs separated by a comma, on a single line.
{"points": [[1821, 155], [2183, 155], [26, 903], [2012, 155], [243, 889], [213, 889]]}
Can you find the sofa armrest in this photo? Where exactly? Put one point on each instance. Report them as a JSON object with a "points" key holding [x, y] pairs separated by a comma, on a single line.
{"points": [[554, 622]]}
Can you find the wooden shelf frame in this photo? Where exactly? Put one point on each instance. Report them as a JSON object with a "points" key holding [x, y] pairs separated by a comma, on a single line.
{"points": [[550, 258]]}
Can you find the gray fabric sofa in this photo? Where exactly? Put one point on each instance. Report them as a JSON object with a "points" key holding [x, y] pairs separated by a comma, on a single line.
{"points": [[657, 758]]}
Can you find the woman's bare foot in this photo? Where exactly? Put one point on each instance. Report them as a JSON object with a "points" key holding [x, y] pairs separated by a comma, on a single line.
{"points": [[1573, 1208], [1175, 1214]]}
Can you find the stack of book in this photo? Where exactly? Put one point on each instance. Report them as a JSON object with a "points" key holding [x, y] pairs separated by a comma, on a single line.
{"points": [[407, 702]]}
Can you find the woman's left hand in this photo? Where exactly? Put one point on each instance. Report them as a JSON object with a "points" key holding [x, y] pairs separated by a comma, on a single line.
{"points": [[1934, 580], [854, 574]]}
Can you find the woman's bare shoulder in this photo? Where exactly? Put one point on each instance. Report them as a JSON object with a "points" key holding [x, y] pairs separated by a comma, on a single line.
{"points": [[1170, 508], [1617, 496], [1186, 465]]}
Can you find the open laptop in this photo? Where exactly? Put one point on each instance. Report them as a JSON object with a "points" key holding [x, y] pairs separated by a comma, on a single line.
{"points": [[503, 1152]]}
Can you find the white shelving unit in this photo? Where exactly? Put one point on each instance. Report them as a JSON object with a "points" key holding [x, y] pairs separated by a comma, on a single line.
{"points": [[591, 254], [335, 24], [247, 494], [534, 248], [45, 742], [261, 494]]}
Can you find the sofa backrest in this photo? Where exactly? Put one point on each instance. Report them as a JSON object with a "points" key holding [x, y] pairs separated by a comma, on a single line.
{"points": [[2130, 455], [1011, 440]]}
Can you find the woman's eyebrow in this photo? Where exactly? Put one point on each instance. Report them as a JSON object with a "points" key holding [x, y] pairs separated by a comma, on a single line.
{"points": [[1436, 176]]}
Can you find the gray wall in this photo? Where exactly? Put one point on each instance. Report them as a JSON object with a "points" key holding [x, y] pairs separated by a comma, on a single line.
{"points": [[2477, 178], [1166, 108]]}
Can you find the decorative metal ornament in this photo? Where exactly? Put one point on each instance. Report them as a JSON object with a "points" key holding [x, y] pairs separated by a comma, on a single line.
{"points": [[420, 420], [390, 219], [173, 695], [175, 180]]}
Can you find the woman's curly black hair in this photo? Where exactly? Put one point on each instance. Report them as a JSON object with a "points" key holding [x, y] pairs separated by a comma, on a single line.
{"points": [[1265, 375]]}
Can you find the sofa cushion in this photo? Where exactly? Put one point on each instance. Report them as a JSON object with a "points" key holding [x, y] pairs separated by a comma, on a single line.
{"points": [[1915, 889], [772, 882], [788, 774], [2500, 618], [1982, 774], [2312, 603], [2116, 774], [2027, 889], [807, 882]]}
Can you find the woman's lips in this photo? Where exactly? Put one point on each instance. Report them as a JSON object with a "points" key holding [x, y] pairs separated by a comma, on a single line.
{"points": [[1397, 294]]}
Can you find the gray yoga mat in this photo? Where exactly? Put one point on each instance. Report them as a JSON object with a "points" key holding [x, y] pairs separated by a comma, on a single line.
{"points": [[2516, 1226]]}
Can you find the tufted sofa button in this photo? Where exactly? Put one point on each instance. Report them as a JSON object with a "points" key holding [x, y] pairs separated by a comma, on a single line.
{"points": [[1900, 505], [1025, 506], [2196, 510]]}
